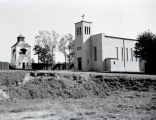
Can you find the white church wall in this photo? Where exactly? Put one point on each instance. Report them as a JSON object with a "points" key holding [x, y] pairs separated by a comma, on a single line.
{"points": [[96, 41], [122, 50], [131, 64], [83, 46], [77, 48], [13, 56], [23, 58], [86, 47], [86, 56], [78, 43], [116, 65], [109, 46]]}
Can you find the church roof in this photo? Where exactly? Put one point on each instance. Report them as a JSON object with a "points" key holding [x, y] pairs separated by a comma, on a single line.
{"points": [[83, 21], [121, 38], [21, 36], [21, 43]]}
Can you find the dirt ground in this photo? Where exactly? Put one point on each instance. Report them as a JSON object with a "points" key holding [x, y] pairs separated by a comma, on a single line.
{"points": [[117, 106]]}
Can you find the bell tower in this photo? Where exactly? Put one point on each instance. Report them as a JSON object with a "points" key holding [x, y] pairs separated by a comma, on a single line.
{"points": [[21, 54], [83, 31], [20, 38]]}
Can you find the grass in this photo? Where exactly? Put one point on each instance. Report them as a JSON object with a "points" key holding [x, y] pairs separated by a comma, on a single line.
{"points": [[62, 95], [117, 106]]}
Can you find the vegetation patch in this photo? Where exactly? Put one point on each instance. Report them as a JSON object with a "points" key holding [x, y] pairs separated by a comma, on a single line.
{"points": [[41, 84]]}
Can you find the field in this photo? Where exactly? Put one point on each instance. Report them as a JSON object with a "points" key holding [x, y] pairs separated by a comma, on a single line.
{"points": [[76, 96]]}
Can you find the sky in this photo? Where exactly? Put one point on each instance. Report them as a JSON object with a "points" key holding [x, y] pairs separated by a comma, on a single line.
{"points": [[120, 18]]}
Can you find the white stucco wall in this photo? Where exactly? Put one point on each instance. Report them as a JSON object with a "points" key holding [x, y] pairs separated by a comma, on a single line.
{"points": [[23, 58], [96, 41], [13, 56], [83, 41], [129, 64], [109, 51], [18, 59]]}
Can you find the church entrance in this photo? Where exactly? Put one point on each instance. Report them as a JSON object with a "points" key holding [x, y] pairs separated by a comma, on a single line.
{"points": [[79, 63], [23, 65]]}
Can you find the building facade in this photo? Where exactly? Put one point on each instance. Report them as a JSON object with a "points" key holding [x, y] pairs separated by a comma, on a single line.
{"points": [[101, 52], [21, 54]]}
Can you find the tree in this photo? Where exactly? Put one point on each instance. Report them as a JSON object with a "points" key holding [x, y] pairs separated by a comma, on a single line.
{"points": [[53, 45], [145, 49], [38, 51], [65, 46], [45, 46]]}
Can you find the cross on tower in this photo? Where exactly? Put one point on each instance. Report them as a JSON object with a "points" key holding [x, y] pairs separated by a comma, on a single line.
{"points": [[83, 17]]}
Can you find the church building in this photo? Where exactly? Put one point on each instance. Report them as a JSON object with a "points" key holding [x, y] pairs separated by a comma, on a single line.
{"points": [[21, 54], [101, 52]]}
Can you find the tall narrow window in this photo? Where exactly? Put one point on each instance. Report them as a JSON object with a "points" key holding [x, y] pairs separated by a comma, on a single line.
{"points": [[117, 52], [77, 30], [95, 54], [89, 30], [122, 54], [85, 29], [136, 57], [131, 54], [127, 53], [80, 30]]}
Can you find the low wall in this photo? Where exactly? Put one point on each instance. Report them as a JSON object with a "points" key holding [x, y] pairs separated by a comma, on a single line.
{"points": [[4, 66]]}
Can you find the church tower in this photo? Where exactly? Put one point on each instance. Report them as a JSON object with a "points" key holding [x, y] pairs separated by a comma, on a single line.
{"points": [[83, 31], [21, 54]]}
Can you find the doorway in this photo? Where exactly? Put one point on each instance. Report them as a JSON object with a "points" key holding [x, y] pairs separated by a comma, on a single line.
{"points": [[79, 63], [23, 65]]}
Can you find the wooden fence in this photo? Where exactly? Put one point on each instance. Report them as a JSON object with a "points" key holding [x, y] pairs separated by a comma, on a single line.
{"points": [[4, 66]]}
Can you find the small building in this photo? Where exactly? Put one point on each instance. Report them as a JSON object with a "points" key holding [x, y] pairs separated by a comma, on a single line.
{"points": [[4, 65], [101, 52], [21, 54]]}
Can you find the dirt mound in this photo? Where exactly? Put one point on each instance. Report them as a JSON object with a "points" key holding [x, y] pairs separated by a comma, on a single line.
{"points": [[31, 85], [125, 96], [75, 85]]}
